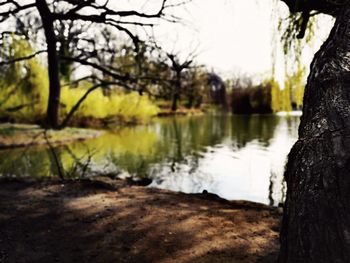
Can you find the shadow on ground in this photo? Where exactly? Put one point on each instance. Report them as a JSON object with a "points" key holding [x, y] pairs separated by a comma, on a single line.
{"points": [[80, 222]]}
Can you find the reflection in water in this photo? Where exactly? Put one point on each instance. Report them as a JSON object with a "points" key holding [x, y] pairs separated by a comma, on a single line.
{"points": [[236, 157]]}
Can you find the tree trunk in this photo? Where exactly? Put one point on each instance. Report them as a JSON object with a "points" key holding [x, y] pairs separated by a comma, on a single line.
{"points": [[176, 91], [175, 99], [52, 117], [316, 222]]}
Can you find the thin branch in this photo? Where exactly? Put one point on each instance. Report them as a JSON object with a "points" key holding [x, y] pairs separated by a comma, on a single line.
{"points": [[98, 67], [77, 105], [22, 58], [86, 94], [5, 14], [22, 106], [77, 81], [105, 11]]}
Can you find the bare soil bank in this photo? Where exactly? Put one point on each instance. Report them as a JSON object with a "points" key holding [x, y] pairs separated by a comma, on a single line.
{"points": [[86, 221]]}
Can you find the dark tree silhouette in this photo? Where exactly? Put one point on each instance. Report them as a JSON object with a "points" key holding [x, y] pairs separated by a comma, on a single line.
{"points": [[217, 90], [178, 69], [64, 46], [316, 221]]}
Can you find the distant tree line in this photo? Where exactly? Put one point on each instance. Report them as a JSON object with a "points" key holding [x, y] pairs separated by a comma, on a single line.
{"points": [[269, 96]]}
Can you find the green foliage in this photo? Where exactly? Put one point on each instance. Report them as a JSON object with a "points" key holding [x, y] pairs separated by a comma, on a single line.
{"points": [[130, 107], [281, 99], [23, 86], [286, 93], [269, 96], [275, 95], [24, 93], [295, 32], [291, 95], [290, 28], [297, 83]]}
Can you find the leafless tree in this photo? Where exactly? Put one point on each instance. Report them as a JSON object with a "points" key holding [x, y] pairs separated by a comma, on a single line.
{"points": [[177, 67], [72, 31]]}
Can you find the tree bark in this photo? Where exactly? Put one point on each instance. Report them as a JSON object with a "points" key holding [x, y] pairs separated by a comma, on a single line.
{"points": [[52, 117], [316, 221]]}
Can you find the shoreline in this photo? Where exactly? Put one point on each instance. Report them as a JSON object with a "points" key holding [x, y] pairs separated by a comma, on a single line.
{"points": [[14, 136]]}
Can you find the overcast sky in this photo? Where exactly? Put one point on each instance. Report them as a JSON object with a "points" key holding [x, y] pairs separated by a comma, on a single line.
{"points": [[230, 36]]}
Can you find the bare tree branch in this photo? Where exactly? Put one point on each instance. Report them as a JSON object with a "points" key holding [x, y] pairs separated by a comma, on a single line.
{"points": [[5, 14], [22, 58]]}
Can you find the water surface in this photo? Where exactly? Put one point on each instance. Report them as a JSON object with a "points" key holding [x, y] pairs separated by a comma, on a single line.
{"points": [[236, 157]]}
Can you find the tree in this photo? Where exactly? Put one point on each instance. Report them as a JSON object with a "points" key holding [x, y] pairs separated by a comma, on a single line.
{"points": [[55, 18], [217, 90], [171, 74], [178, 69], [196, 81], [21, 84], [316, 221]]}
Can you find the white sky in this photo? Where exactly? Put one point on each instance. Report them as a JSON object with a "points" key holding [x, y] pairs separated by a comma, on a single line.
{"points": [[230, 36]]}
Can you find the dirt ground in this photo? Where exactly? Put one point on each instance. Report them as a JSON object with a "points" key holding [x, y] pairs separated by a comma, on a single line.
{"points": [[94, 222]]}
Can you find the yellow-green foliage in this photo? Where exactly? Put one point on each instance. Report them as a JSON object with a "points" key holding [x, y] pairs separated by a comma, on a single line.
{"points": [[286, 103], [297, 80], [293, 92], [275, 95], [24, 85], [281, 98], [130, 106], [24, 93]]}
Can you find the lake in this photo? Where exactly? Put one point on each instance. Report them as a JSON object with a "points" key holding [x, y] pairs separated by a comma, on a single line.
{"points": [[235, 157]]}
